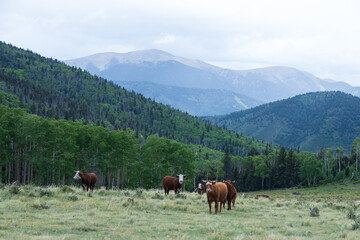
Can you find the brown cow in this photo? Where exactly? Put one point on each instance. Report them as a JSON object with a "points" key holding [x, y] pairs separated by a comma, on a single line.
{"points": [[216, 192], [87, 179], [262, 195], [173, 183], [232, 193], [200, 189]]}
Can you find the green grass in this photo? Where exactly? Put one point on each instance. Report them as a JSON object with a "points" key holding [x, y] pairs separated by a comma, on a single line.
{"points": [[70, 213]]}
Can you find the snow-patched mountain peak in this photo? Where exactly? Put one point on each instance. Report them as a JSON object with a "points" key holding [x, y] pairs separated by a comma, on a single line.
{"points": [[105, 60]]}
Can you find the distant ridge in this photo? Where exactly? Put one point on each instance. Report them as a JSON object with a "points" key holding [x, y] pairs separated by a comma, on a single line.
{"points": [[311, 121]]}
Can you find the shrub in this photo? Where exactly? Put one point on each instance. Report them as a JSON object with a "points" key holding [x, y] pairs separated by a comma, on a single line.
{"points": [[158, 196], [14, 189], [72, 198], [31, 194], [40, 206], [351, 214], [139, 193], [180, 195], [356, 224], [66, 189], [46, 193], [129, 202], [314, 212]]}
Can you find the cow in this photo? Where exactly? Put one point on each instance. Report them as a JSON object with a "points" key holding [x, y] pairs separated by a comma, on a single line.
{"points": [[232, 193], [216, 192], [262, 195], [87, 179], [200, 189], [173, 183]]}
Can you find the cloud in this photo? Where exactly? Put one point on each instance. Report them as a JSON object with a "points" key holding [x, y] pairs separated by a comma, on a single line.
{"points": [[317, 36], [165, 39]]}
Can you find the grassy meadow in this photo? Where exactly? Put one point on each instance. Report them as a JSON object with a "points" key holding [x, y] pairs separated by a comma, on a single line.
{"points": [[31, 212]]}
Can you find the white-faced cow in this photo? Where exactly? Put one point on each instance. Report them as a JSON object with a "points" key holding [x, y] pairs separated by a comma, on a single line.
{"points": [[216, 192], [87, 179], [200, 189], [173, 183]]}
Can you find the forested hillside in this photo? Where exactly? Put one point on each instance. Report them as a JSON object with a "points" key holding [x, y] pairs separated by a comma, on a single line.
{"points": [[311, 121], [87, 123], [52, 89]]}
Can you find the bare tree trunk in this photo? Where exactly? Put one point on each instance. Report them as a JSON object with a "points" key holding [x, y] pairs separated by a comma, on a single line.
{"points": [[17, 167], [28, 174], [118, 179], [9, 173], [24, 172], [109, 180], [53, 168], [123, 178]]}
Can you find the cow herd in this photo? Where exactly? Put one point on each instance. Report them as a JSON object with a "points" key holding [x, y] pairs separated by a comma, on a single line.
{"points": [[218, 192]]}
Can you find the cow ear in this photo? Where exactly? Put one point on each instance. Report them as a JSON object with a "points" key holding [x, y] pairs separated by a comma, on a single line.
{"points": [[233, 181], [204, 181], [184, 176], [177, 176]]}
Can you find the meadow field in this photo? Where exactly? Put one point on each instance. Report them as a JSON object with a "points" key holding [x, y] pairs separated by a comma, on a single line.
{"points": [[31, 212]]}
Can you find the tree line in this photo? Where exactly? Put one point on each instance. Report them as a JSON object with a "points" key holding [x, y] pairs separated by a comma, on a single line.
{"points": [[48, 151], [282, 168], [45, 151]]}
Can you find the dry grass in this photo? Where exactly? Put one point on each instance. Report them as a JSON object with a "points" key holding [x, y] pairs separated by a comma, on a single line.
{"points": [[69, 213]]}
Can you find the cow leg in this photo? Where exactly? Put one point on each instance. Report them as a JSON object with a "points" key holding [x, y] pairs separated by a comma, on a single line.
{"points": [[233, 201], [229, 204], [209, 206], [217, 206]]}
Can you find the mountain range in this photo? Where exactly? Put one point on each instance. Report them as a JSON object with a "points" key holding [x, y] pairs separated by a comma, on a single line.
{"points": [[310, 121], [167, 71]]}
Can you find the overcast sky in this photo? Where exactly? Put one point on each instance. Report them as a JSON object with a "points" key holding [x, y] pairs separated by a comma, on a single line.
{"points": [[320, 37]]}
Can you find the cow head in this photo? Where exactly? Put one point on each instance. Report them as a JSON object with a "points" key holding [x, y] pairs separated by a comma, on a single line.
{"points": [[200, 186], [77, 175], [209, 185], [181, 178], [229, 181]]}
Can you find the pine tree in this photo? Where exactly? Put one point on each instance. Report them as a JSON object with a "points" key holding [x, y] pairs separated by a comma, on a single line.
{"points": [[227, 164]]}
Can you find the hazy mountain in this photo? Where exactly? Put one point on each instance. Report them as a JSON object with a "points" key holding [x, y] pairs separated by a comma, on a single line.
{"points": [[264, 84], [311, 121], [195, 101]]}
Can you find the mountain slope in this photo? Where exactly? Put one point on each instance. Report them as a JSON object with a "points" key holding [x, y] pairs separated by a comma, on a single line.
{"points": [[52, 89], [264, 84], [195, 101], [311, 121]]}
